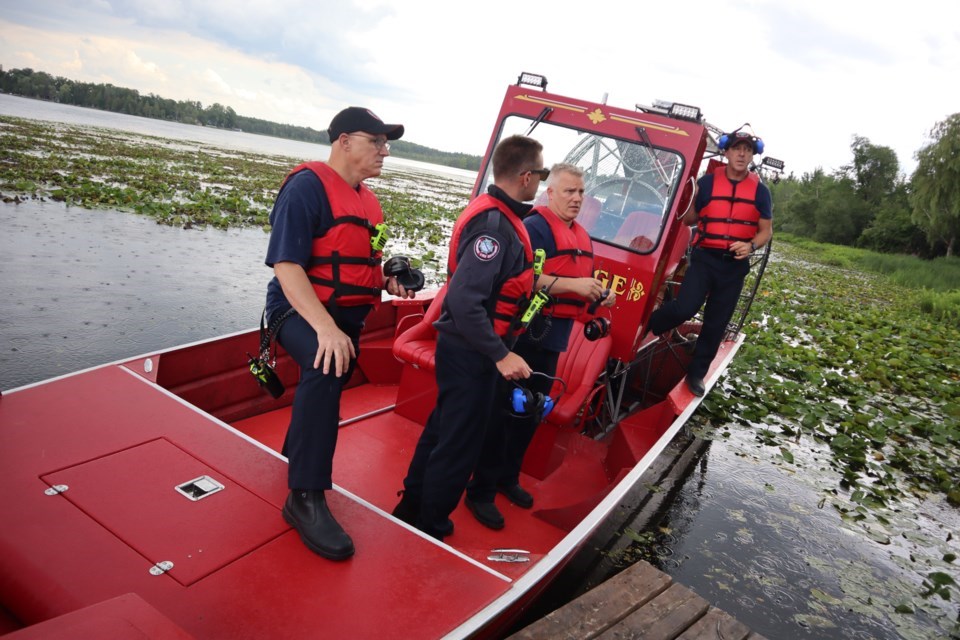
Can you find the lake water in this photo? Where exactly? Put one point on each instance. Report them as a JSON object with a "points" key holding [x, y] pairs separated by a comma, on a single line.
{"points": [[87, 287], [238, 140], [82, 287]]}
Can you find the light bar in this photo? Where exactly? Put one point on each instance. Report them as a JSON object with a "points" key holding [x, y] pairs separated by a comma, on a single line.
{"points": [[673, 110], [684, 112], [773, 163], [532, 80]]}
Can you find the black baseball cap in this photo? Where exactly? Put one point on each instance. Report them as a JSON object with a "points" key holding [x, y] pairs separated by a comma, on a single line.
{"points": [[353, 119]]}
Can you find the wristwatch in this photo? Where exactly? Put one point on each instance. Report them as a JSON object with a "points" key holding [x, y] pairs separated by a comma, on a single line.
{"points": [[753, 245]]}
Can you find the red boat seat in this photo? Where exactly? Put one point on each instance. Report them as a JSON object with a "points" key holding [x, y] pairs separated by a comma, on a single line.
{"points": [[589, 213], [417, 345], [579, 367], [640, 230]]}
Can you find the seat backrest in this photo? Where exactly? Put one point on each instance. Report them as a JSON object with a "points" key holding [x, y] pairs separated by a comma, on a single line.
{"points": [[589, 213], [579, 367], [639, 230], [417, 345]]}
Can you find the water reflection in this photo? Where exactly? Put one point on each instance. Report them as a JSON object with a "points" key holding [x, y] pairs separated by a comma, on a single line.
{"points": [[82, 287], [746, 536]]}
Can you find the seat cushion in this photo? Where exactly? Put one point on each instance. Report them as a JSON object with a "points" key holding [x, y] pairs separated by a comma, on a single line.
{"points": [[417, 345]]}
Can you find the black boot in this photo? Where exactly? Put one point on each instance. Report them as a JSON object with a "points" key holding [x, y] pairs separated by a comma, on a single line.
{"points": [[517, 495], [408, 509], [485, 512], [307, 512], [696, 386]]}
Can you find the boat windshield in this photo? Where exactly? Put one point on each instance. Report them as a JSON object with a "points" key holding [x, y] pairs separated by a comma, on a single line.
{"points": [[629, 185]]}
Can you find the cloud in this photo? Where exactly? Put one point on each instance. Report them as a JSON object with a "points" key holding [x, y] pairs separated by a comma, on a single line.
{"points": [[808, 78], [295, 32], [218, 83], [818, 41]]}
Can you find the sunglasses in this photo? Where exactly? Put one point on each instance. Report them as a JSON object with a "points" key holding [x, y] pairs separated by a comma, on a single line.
{"points": [[543, 173]]}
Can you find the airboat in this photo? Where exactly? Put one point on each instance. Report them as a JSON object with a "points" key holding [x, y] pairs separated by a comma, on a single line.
{"points": [[142, 498]]}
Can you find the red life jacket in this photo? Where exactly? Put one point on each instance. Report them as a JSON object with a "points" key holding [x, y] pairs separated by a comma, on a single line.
{"points": [[574, 259], [731, 215], [343, 265], [514, 294]]}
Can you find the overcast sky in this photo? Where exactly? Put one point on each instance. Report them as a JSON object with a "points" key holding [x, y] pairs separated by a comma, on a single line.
{"points": [[807, 76]]}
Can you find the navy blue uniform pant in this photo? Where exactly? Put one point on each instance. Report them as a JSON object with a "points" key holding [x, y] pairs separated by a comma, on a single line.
{"points": [[713, 276], [312, 435], [500, 462], [455, 433]]}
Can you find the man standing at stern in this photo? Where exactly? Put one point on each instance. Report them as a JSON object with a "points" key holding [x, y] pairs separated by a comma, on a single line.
{"points": [[568, 279], [490, 268], [734, 215], [328, 276]]}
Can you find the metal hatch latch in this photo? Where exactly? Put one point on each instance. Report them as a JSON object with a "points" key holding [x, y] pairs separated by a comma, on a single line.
{"points": [[509, 555], [56, 489], [161, 568], [199, 488]]}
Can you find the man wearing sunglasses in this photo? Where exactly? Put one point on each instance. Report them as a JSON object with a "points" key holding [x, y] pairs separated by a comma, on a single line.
{"points": [[568, 279], [328, 275], [734, 215], [490, 278]]}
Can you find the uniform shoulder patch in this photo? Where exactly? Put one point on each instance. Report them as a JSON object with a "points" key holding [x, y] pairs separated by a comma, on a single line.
{"points": [[486, 248]]}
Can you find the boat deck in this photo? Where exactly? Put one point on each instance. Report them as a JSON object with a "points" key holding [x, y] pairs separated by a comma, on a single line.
{"points": [[95, 530], [119, 444], [373, 450]]}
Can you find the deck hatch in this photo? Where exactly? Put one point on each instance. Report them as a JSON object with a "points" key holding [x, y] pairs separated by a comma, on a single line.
{"points": [[198, 537]]}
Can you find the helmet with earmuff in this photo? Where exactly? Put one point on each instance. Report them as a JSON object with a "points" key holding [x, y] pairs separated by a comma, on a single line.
{"points": [[730, 140]]}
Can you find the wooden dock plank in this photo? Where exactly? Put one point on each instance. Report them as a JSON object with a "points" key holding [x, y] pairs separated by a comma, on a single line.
{"points": [[666, 616], [600, 608], [717, 624], [639, 603]]}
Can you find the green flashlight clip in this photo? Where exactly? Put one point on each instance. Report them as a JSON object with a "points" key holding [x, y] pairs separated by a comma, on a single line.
{"points": [[539, 257], [539, 300], [379, 241]]}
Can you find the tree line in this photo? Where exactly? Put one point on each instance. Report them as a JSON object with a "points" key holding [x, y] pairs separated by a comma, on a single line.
{"points": [[872, 205], [107, 97]]}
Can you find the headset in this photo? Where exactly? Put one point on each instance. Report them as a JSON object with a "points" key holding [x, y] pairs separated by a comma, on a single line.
{"points": [[598, 327], [399, 268], [526, 403], [727, 140]]}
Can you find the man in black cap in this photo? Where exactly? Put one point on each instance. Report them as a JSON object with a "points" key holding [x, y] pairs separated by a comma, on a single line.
{"points": [[328, 275]]}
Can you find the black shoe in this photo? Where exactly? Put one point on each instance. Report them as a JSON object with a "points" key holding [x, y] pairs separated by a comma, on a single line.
{"points": [[307, 512], [696, 386], [407, 509], [447, 529], [486, 513], [517, 495]]}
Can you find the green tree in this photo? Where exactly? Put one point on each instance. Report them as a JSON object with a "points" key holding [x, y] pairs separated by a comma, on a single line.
{"points": [[893, 230], [876, 171], [936, 184], [840, 214]]}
